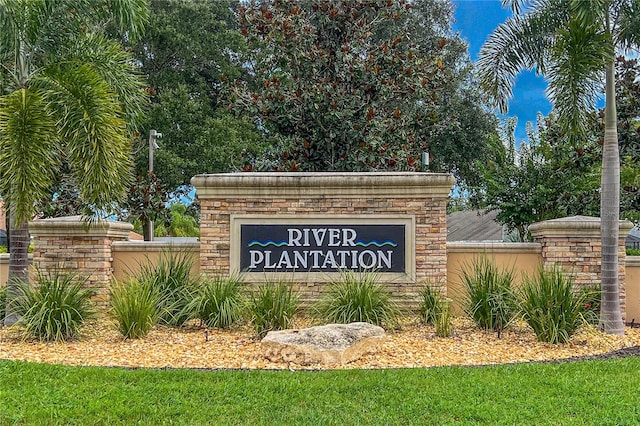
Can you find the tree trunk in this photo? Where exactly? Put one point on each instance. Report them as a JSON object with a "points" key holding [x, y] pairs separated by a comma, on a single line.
{"points": [[610, 311], [18, 264], [147, 229]]}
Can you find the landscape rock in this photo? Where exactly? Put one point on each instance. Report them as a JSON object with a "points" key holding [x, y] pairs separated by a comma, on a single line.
{"points": [[327, 344]]}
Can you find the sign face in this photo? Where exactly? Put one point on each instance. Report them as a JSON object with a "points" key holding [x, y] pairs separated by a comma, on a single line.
{"points": [[322, 247]]}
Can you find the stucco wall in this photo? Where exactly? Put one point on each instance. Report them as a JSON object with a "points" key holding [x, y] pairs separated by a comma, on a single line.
{"points": [[521, 258], [632, 284], [128, 256]]}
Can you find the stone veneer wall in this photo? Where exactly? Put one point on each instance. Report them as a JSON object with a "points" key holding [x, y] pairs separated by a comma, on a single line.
{"points": [[574, 243], [420, 196], [70, 245]]}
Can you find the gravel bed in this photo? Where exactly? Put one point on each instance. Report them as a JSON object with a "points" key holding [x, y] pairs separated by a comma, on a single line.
{"points": [[414, 346]]}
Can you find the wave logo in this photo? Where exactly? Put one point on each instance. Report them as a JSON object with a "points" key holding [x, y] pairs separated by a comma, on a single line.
{"points": [[376, 243]]}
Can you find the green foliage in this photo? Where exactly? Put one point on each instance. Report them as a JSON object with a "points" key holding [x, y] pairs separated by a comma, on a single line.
{"points": [[550, 306], [591, 307], [443, 320], [272, 307], [55, 308], [357, 297], [218, 302], [3, 249], [430, 304], [3, 301], [187, 51], [542, 179], [146, 200], [171, 278], [489, 299], [598, 392], [134, 307], [633, 252], [360, 86]]}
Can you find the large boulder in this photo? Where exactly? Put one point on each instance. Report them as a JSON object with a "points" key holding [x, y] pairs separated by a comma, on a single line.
{"points": [[327, 344]]}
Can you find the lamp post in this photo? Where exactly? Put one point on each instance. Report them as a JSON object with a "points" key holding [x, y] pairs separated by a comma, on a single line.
{"points": [[153, 136]]}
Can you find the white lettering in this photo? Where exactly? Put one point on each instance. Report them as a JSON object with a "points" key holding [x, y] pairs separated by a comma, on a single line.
{"points": [[316, 258], [285, 261], [318, 235], [334, 237], [300, 259], [294, 237], [256, 258], [372, 259], [329, 260], [349, 237], [267, 261], [386, 259]]}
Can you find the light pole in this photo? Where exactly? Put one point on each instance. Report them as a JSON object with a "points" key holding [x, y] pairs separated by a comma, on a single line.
{"points": [[153, 136]]}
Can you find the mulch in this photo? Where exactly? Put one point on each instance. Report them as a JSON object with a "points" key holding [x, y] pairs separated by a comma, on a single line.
{"points": [[413, 346]]}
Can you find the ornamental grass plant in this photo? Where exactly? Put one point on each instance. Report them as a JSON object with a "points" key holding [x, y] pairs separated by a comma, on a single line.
{"points": [[272, 307], [430, 304], [489, 301], [550, 306], [55, 307], [358, 297], [134, 307], [171, 278], [3, 303], [218, 301]]}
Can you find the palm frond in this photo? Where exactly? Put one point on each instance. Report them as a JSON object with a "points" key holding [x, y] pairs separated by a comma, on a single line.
{"points": [[28, 150], [520, 43], [115, 66], [575, 77], [93, 130], [629, 25]]}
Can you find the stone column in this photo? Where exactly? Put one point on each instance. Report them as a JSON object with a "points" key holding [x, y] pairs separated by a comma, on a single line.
{"points": [[69, 244], [574, 244]]}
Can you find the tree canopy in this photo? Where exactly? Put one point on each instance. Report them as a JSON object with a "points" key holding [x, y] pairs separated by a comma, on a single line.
{"points": [[360, 86]]}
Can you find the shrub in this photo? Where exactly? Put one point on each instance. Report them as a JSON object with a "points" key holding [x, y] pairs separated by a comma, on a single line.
{"points": [[630, 252], [442, 320], [171, 278], [357, 297], [3, 303], [55, 307], [218, 302], [430, 305], [591, 305], [134, 307], [550, 306], [490, 302], [272, 307]]}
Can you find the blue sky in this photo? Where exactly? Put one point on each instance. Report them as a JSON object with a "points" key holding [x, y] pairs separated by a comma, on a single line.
{"points": [[475, 20]]}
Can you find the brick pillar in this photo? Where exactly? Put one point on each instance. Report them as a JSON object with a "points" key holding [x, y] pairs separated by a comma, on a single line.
{"points": [[70, 245], [574, 243]]}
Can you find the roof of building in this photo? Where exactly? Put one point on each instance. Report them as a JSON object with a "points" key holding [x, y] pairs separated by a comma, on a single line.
{"points": [[473, 225]]}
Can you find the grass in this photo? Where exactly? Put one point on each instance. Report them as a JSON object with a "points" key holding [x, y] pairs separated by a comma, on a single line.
{"points": [[272, 307], [589, 392], [218, 302], [134, 307], [358, 297], [55, 307]]}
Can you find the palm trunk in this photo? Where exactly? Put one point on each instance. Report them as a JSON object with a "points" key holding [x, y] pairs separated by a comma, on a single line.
{"points": [[610, 312], [18, 265]]}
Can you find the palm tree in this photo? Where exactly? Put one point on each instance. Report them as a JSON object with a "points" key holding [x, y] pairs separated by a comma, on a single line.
{"points": [[573, 44], [68, 95]]}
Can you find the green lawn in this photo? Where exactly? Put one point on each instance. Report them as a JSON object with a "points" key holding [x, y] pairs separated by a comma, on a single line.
{"points": [[590, 392]]}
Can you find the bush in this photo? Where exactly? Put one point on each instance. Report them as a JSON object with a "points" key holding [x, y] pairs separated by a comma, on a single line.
{"points": [[550, 306], [430, 305], [490, 302], [357, 297], [172, 280], [218, 302], [55, 308], [134, 307], [272, 307], [3, 303], [630, 252], [591, 306], [442, 320]]}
